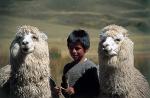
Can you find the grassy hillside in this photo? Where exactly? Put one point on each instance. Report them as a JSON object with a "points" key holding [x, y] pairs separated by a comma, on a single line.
{"points": [[133, 14], [59, 17]]}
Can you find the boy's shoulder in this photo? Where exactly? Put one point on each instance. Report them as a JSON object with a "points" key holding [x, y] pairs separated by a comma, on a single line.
{"points": [[86, 65], [68, 66], [90, 63]]}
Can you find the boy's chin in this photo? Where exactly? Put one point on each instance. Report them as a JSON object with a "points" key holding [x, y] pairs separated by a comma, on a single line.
{"points": [[77, 59]]}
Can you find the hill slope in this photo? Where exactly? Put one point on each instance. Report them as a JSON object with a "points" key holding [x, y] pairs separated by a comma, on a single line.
{"points": [[133, 14]]}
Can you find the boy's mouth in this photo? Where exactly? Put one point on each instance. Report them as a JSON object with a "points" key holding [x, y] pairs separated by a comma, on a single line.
{"points": [[75, 55]]}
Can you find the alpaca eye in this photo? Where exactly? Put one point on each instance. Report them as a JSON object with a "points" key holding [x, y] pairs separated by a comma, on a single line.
{"points": [[18, 37], [103, 40], [34, 37], [117, 40]]}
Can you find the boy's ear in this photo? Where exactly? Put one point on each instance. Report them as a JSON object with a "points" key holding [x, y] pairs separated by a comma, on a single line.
{"points": [[86, 50]]}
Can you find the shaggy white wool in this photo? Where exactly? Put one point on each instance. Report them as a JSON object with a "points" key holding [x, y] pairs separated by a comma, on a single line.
{"points": [[29, 60], [118, 76]]}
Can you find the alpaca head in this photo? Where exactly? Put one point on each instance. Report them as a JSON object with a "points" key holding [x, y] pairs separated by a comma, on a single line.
{"points": [[28, 36], [26, 39], [111, 38], [27, 42]]}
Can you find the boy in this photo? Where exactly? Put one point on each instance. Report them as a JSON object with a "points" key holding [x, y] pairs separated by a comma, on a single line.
{"points": [[80, 78]]}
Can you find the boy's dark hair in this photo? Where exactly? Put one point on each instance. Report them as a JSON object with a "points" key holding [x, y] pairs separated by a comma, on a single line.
{"points": [[79, 36]]}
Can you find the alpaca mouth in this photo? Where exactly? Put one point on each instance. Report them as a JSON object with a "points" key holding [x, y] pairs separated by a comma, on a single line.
{"points": [[109, 52], [25, 49], [106, 51]]}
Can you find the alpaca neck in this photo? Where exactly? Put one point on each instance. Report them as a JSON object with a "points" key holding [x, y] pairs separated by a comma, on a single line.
{"points": [[114, 73], [33, 63]]}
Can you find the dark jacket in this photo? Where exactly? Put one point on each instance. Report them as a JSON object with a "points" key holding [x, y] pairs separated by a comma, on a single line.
{"points": [[83, 77]]}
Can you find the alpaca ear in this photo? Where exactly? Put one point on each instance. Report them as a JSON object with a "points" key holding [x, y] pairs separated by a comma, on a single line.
{"points": [[43, 36], [14, 49]]}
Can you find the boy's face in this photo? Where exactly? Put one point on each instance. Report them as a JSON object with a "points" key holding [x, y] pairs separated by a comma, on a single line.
{"points": [[77, 51]]}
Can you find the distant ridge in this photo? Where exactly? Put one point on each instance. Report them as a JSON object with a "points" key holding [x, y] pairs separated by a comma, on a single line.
{"points": [[88, 13]]}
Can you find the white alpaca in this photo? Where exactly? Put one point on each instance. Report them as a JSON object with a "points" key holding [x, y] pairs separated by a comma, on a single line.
{"points": [[29, 60], [118, 76]]}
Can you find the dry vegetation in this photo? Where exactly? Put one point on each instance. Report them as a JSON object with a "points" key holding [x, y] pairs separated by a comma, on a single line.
{"points": [[59, 21]]}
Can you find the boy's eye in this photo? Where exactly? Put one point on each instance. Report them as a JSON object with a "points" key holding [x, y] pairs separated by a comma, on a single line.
{"points": [[74, 48], [70, 47], [77, 48]]}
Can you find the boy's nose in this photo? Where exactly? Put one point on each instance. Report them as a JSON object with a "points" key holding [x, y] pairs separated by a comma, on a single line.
{"points": [[73, 50]]}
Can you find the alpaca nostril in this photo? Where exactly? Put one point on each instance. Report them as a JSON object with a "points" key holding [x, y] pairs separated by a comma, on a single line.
{"points": [[25, 43], [104, 46]]}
